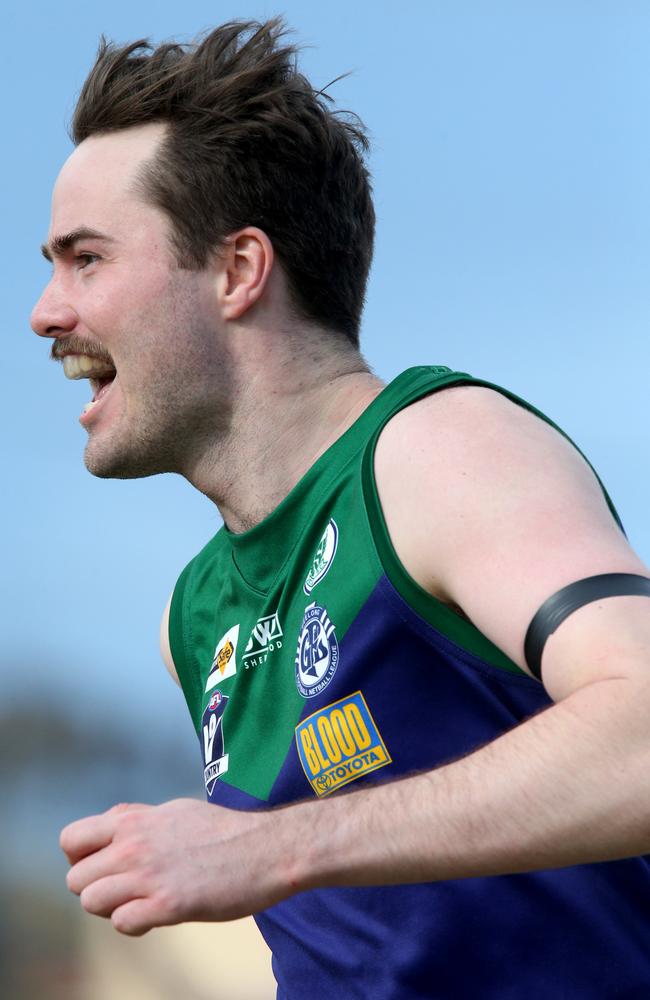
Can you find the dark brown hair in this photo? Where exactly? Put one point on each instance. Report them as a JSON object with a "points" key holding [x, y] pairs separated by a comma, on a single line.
{"points": [[249, 142]]}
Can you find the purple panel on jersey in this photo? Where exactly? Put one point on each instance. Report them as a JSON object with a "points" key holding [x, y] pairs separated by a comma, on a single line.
{"points": [[556, 932]]}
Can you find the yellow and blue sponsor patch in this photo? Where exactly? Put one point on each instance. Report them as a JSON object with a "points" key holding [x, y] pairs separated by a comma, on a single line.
{"points": [[340, 743]]}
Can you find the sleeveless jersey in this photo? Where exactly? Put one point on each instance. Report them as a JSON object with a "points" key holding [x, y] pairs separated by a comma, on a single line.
{"points": [[312, 662]]}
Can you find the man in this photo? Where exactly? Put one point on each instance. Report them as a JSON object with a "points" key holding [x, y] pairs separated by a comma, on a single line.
{"points": [[399, 568]]}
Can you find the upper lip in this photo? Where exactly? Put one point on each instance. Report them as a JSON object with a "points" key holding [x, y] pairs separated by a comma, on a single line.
{"points": [[61, 351], [59, 355]]}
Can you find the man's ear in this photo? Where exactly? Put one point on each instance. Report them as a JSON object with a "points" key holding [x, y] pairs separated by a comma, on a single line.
{"points": [[246, 260]]}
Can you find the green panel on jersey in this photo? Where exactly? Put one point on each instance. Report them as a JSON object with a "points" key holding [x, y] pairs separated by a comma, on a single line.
{"points": [[238, 609], [242, 579]]}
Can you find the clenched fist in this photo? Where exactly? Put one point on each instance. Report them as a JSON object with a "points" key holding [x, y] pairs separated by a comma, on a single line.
{"points": [[150, 866]]}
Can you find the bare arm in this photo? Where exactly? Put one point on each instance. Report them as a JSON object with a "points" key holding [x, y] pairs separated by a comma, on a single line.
{"points": [[568, 786], [523, 516]]}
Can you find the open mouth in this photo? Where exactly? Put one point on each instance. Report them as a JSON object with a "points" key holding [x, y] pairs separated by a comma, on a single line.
{"points": [[99, 372]]}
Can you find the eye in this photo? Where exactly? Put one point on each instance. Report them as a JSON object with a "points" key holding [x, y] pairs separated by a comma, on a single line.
{"points": [[84, 259]]}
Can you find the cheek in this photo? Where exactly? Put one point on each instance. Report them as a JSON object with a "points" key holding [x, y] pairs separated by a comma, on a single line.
{"points": [[121, 293], [158, 330]]}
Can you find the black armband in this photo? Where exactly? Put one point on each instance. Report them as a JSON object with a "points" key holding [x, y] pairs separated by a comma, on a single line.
{"points": [[558, 607]]}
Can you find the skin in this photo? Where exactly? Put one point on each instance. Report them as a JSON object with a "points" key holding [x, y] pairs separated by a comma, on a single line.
{"points": [[127, 298], [201, 356], [207, 355]]}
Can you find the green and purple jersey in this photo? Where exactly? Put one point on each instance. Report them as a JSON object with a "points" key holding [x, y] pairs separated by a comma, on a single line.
{"points": [[312, 662]]}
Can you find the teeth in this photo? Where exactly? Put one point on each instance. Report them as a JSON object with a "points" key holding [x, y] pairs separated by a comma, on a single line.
{"points": [[83, 366], [88, 406]]}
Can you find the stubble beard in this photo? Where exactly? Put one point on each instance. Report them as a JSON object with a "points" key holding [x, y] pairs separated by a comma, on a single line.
{"points": [[137, 444], [137, 460], [134, 456], [170, 415], [167, 434]]}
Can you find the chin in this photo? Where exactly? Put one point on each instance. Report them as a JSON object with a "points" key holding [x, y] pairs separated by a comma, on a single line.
{"points": [[107, 463]]}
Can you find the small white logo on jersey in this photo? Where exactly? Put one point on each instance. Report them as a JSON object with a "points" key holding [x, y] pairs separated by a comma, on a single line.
{"points": [[324, 556], [265, 637], [317, 655], [223, 663]]}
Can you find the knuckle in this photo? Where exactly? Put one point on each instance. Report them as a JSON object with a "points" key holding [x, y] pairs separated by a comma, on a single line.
{"points": [[129, 825], [120, 807], [147, 876], [129, 853], [168, 906]]}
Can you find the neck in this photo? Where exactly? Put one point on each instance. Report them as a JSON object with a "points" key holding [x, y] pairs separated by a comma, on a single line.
{"points": [[282, 419]]}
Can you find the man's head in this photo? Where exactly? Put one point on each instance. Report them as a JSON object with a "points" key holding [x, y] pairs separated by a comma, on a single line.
{"points": [[121, 312], [196, 169], [248, 142]]}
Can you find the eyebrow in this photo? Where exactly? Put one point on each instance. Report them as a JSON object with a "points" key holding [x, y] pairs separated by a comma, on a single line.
{"points": [[59, 245]]}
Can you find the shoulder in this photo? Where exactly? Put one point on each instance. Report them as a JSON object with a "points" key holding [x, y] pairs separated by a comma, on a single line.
{"points": [[492, 509], [474, 461], [466, 438], [460, 421]]}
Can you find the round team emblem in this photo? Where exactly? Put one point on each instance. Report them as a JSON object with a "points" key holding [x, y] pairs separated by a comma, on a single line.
{"points": [[317, 655], [324, 556]]}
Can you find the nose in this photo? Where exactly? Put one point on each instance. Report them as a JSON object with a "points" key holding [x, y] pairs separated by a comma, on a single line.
{"points": [[52, 316]]}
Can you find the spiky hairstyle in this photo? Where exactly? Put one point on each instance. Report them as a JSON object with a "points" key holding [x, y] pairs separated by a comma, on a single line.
{"points": [[249, 142]]}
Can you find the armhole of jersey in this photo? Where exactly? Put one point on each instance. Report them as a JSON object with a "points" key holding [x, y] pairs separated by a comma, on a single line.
{"points": [[180, 643], [433, 611]]}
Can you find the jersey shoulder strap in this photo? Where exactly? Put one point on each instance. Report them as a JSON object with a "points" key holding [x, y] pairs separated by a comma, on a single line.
{"points": [[412, 385]]}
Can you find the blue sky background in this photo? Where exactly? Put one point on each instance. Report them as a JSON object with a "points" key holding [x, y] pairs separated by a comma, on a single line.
{"points": [[511, 164]]}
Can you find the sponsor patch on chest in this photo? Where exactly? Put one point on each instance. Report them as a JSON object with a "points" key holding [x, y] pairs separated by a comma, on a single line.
{"points": [[265, 638], [340, 743], [224, 662]]}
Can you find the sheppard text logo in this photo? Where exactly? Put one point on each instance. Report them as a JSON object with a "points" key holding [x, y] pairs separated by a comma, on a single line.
{"points": [[265, 637]]}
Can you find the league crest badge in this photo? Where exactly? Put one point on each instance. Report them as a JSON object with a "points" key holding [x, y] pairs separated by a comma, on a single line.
{"points": [[317, 655]]}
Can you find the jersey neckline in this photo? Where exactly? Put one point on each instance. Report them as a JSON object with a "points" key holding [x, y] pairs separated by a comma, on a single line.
{"points": [[258, 552]]}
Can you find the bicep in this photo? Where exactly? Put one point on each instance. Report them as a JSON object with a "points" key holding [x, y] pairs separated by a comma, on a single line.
{"points": [[516, 514]]}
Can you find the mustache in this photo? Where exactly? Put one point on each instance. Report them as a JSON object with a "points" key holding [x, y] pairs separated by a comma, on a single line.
{"points": [[76, 345]]}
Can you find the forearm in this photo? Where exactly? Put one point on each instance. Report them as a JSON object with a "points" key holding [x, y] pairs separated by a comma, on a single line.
{"points": [[568, 786]]}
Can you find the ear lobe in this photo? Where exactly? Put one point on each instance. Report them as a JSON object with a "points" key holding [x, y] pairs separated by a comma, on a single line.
{"points": [[247, 263]]}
